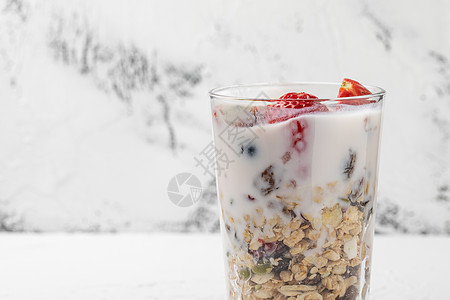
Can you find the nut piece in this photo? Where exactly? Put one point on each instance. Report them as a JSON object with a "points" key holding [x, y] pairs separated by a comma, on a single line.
{"points": [[262, 278], [351, 248]]}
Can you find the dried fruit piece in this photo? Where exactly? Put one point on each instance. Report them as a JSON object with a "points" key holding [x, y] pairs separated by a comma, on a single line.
{"points": [[283, 264], [267, 182], [274, 250], [350, 164]]}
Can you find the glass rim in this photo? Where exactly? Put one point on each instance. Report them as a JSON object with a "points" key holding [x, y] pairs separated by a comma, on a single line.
{"points": [[216, 92]]}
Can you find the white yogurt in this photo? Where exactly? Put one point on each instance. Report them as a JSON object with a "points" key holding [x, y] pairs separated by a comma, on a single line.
{"points": [[325, 145]]}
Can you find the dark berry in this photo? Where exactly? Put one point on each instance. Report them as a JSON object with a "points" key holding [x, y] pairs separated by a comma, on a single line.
{"points": [[251, 150]]}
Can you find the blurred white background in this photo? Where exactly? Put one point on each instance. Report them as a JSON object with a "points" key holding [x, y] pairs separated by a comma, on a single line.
{"points": [[103, 102]]}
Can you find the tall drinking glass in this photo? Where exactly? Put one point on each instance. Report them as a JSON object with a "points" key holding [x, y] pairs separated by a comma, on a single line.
{"points": [[297, 189]]}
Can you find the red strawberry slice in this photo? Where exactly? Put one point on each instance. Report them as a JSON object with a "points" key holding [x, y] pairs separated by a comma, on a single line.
{"points": [[290, 104], [301, 95], [350, 88]]}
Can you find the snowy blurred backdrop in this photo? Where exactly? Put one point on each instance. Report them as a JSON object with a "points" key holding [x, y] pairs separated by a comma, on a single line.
{"points": [[102, 102]]}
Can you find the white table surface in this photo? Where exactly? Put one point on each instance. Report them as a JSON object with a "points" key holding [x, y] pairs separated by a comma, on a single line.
{"points": [[176, 266]]}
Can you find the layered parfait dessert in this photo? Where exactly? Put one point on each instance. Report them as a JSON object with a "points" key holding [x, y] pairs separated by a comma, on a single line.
{"points": [[297, 196]]}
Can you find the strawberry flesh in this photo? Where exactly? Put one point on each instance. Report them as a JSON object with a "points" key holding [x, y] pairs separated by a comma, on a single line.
{"points": [[301, 95], [351, 88], [293, 102]]}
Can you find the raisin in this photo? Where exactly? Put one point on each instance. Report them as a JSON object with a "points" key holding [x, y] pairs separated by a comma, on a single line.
{"points": [[266, 182], [283, 264], [351, 293], [353, 271], [350, 164]]}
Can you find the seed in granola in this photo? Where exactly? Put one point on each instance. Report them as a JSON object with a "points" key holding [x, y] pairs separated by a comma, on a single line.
{"points": [[262, 268], [244, 273], [262, 278], [350, 164]]}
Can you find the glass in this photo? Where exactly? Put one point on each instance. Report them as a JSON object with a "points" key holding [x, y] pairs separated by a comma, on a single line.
{"points": [[297, 188]]}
